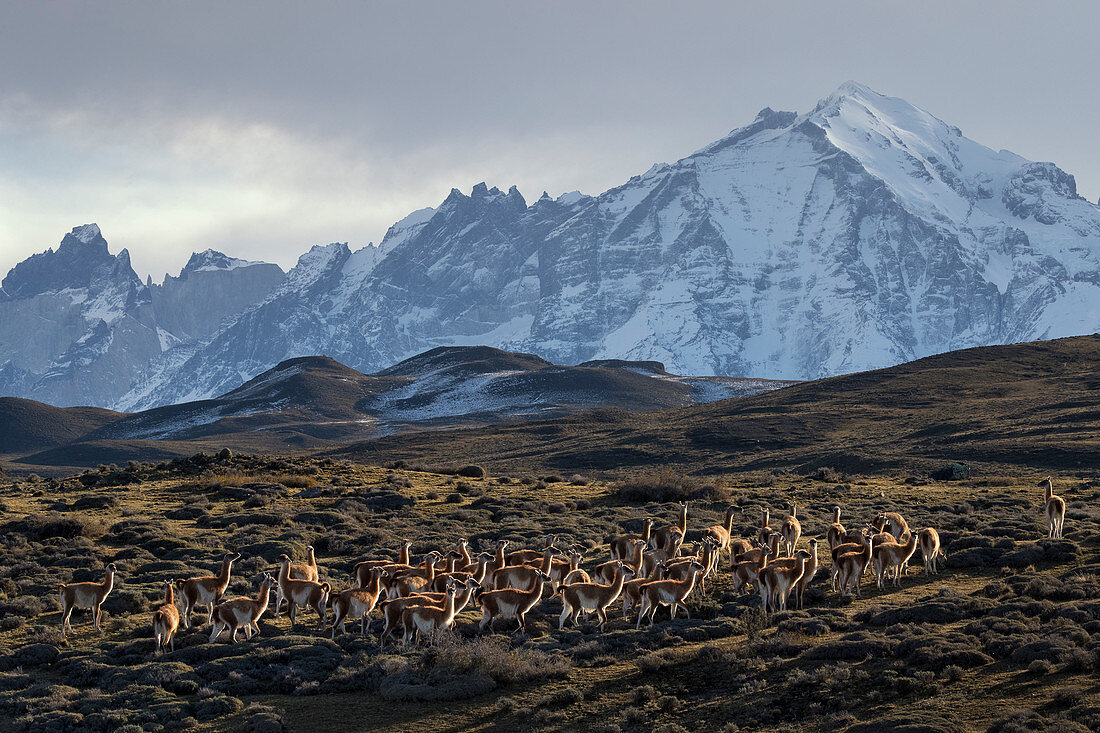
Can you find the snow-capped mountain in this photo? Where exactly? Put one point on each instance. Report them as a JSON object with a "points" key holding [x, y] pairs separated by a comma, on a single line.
{"points": [[863, 233], [77, 325]]}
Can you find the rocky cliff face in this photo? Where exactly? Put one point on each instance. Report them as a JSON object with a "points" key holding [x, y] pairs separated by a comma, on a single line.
{"points": [[211, 288], [77, 325]]}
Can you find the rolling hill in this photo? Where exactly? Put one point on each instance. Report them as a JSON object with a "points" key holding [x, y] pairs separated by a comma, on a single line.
{"points": [[308, 403], [1033, 403]]}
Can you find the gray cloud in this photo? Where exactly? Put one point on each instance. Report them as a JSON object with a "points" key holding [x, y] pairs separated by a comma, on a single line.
{"points": [[263, 128]]}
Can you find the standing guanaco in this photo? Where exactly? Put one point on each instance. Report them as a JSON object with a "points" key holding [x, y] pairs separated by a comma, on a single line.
{"points": [[765, 532], [304, 593], [893, 556], [361, 573], [166, 620], [356, 603], [591, 597], [778, 579], [392, 610], [1055, 509], [207, 589], [850, 566], [510, 603], [305, 570], [623, 545], [429, 619], [242, 612], [605, 573], [666, 537], [722, 533], [791, 529], [931, 550], [667, 593], [524, 577], [835, 533], [86, 595]]}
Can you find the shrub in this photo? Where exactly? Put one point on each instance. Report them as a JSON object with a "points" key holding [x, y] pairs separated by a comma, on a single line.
{"points": [[827, 474], [1040, 666], [472, 472], [492, 657], [661, 487]]}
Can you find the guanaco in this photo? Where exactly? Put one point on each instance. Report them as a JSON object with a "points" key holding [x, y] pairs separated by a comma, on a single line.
{"points": [[166, 620], [605, 573], [799, 587], [207, 589], [791, 529], [769, 544], [510, 603], [1055, 509], [835, 533], [356, 603], [723, 532], [591, 597], [522, 557], [892, 556], [739, 546], [748, 571], [524, 577], [88, 595], [415, 581], [561, 570], [667, 593], [851, 566], [361, 573], [664, 538], [847, 547], [778, 580], [304, 593], [305, 570], [623, 546], [242, 612], [632, 589], [765, 531], [392, 610], [429, 619], [931, 550]]}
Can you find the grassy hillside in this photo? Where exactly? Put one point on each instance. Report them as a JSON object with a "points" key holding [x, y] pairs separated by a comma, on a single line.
{"points": [[1034, 404], [28, 425], [1006, 639]]}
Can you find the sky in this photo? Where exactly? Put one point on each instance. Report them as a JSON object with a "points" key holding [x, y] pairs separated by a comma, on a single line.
{"points": [[263, 128]]}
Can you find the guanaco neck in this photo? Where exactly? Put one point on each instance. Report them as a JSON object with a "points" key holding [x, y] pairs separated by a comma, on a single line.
{"points": [[547, 560], [312, 559], [774, 544], [617, 584], [1048, 489], [836, 515], [284, 571], [639, 551], [683, 524], [764, 518], [794, 509], [647, 530], [108, 580], [482, 570], [169, 595], [227, 568], [263, 595], [729, 521], [464, 551], [498, 560]]}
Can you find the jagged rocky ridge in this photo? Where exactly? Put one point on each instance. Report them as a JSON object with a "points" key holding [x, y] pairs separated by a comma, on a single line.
{"points": [[77, 325], [863, 233]]}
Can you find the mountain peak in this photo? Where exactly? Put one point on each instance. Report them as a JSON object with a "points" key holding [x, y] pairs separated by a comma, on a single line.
{"points": [[210, 260], [87, 233]]}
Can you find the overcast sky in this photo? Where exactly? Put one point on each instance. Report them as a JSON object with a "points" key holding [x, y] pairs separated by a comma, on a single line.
{"points": [[263, 128]]}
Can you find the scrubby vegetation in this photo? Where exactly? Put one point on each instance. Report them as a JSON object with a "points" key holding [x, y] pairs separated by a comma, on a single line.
{"points": [[1006, 639]]}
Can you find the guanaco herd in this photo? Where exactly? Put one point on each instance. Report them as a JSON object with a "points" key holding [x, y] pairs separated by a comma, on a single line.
{"points": [[646, 571]]}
